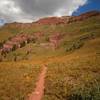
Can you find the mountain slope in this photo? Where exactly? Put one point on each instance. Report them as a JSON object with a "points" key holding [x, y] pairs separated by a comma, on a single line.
{"points": [[45, 25], [72, 36], [69, 49]]}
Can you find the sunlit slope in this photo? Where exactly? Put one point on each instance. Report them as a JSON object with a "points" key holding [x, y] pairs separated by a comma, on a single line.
{"points": [[75, 36], [75, 76]]}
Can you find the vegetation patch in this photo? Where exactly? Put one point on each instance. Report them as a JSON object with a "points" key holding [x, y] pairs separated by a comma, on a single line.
{"points": [[77, 79], [17, 80]]}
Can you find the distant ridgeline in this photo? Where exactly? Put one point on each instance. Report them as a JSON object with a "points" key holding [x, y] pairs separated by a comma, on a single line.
{"points": [[67, 19], [56, 20]]}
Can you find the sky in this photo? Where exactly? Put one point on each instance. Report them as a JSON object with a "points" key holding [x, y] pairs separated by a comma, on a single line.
{"points": [[90, 5], [30, 10]]}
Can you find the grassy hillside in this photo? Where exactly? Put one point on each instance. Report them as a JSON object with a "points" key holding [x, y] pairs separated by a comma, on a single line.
{"points": [[75, 76], [87, 26], [73, 69], [17, 80], [75, 35]]}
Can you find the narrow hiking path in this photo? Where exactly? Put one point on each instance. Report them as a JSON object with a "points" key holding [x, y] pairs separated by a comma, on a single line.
{"points": [[38, 93], [39, 90]]}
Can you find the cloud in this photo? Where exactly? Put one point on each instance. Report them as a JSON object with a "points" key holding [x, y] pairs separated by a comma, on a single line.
{"points": [[30, 10]]}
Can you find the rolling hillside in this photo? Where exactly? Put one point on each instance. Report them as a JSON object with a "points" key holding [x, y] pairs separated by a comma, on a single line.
{"points": [[73, 33], [70, 48]]}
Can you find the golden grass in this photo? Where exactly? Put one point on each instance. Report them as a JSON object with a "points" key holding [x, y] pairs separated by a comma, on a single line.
{"points": [[17, 80], [75, 76]]}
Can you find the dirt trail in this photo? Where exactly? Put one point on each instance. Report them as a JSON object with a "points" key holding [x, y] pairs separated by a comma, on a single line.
{"points": [[39, 90]]}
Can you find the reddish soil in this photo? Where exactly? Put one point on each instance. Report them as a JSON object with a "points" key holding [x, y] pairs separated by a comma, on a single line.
{"points": [[39, 90]]}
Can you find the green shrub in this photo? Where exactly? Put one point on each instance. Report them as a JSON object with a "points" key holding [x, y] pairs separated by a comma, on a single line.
{"points": [[73, 45]]}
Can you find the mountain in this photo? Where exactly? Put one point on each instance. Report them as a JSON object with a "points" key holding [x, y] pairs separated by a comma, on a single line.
{"points": [[51, 32], [67, 19], [69, 46], [58, 20]]}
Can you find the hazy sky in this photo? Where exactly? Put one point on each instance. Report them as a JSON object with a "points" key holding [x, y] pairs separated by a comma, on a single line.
{"points": [[29, 10]]}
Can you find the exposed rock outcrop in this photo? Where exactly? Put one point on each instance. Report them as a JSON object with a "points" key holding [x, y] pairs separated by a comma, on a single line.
{"points": [[16, 42]]}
